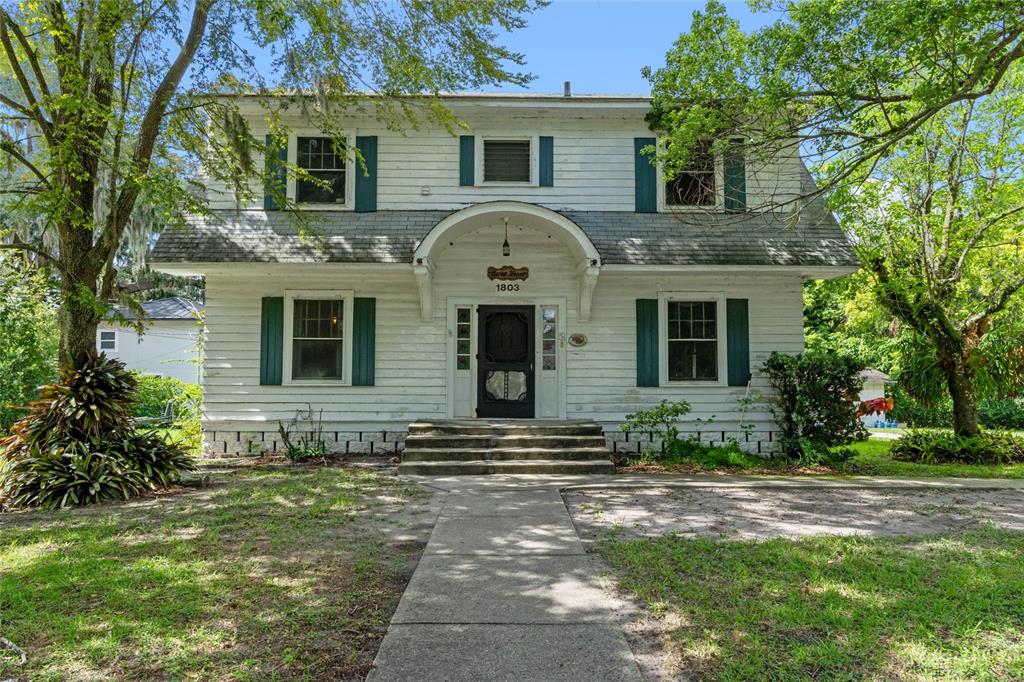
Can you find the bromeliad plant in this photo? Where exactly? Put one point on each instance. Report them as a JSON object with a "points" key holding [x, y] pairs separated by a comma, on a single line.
{"points": [[79, 444]]}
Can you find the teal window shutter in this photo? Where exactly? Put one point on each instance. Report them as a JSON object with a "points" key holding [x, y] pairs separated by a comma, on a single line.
{"points": [[647, 342], [364, 333], [277, 178], [467, 161], [737, 334], [735, 177], [646, 176], [546, 154], [271, 341], [366, 181]]}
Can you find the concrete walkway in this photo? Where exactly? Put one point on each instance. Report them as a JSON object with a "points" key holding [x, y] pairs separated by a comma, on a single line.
{"points": [[504, 591]]}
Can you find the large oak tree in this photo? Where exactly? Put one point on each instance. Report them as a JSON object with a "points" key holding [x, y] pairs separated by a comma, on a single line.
{"points": [[911, 115], [109, 107]]}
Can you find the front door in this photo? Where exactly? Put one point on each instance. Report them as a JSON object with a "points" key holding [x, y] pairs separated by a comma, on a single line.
{"points": [[505, 361]]}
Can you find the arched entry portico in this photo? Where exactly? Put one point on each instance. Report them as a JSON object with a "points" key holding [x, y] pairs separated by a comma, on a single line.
{"points": [[448, 230], [506, 317]]}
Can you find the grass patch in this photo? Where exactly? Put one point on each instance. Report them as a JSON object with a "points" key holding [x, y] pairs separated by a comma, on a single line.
{"points": [[872, 459], [275, 573], [834, 608]]}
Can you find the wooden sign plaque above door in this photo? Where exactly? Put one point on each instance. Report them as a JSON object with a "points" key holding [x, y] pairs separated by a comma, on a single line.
{"points": [[507, 273]]}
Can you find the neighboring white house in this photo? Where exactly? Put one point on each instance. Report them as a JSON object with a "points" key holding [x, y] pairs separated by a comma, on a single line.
{"points": [[169, 345], [615, 291]]}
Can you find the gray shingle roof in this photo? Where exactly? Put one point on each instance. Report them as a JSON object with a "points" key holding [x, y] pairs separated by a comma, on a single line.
{"points": [[810, 237], [171, 308]]}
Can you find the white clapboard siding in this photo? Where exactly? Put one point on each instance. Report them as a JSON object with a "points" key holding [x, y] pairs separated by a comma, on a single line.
{"points": [[593, 164], [412, 356]]}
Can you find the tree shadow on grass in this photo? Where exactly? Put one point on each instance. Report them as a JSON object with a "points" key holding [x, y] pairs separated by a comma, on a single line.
{"points": [[279, 576], [922, 607]]}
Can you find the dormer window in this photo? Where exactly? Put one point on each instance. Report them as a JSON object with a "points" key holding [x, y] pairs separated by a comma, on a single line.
{"points": [[506, 160], [696, 185], [319, 157]]}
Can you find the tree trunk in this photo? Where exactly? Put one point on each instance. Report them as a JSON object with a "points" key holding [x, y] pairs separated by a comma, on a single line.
{"points": [[960, 382], [78, 323]]}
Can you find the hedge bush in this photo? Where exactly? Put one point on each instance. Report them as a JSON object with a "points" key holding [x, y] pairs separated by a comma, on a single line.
{"points": [[940, 446], [992, 413], [815, 403], [79, 444], [153, 394]]}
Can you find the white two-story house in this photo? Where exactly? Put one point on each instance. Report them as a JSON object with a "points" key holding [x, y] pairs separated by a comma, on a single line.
{"points": [[534, 268]]}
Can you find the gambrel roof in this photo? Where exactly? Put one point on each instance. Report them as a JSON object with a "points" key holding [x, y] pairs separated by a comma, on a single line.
{"points": [[809, 237]]}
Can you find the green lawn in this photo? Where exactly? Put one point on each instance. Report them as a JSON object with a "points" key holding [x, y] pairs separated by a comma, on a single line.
{"points": [[835, 608], [872, 459], [273, 573]]}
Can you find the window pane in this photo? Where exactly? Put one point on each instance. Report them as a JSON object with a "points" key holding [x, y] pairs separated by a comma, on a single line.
{"points": [[549, 362], [318, 319], [692, 360], [310, 193], [463, 331], [462, 362], [549, 346], [506, 160], [462, 315], [549, 314], [549, 330], [315, 359], [462, 347]]}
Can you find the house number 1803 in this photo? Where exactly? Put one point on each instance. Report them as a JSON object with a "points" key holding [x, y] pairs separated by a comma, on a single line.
{"points": [[507, 286]]}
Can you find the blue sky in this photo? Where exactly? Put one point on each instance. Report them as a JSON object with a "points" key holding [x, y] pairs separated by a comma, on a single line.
{"points": [[601, 45]]}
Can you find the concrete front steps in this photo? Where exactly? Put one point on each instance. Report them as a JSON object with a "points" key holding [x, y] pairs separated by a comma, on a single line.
{"points": [[480, 446]]}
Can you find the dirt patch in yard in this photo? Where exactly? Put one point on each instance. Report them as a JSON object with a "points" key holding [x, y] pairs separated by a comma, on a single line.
{"points": [[761, 513]]}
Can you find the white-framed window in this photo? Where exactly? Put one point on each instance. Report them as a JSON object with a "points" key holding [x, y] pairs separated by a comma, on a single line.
{"points": [[510, 160], [107, 340], [463, 338], [692, 335], [697, 185], [320, 157], [549, 338], [318, 337]]}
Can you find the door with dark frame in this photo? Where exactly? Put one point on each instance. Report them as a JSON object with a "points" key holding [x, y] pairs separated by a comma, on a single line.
{"points": [[505, 347]]}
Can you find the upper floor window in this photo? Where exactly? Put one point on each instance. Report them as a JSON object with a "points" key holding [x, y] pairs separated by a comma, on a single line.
{"points": [[318, 156], [696, 185], [506, 160]]}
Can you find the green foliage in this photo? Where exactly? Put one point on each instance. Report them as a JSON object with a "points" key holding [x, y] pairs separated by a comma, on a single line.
{"points": [[310, 444], [919, 148], [729, 456], [79, 444], [850, 79], [945, 447], [661, 421], [815, 403], [993, 413], [28, 338], [116, 116], [153, 394]]}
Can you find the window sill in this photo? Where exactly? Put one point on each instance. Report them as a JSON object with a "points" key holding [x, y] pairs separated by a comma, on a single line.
{"points": [[507, 183], [691, 383], [331, 383], [324, 207]]}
